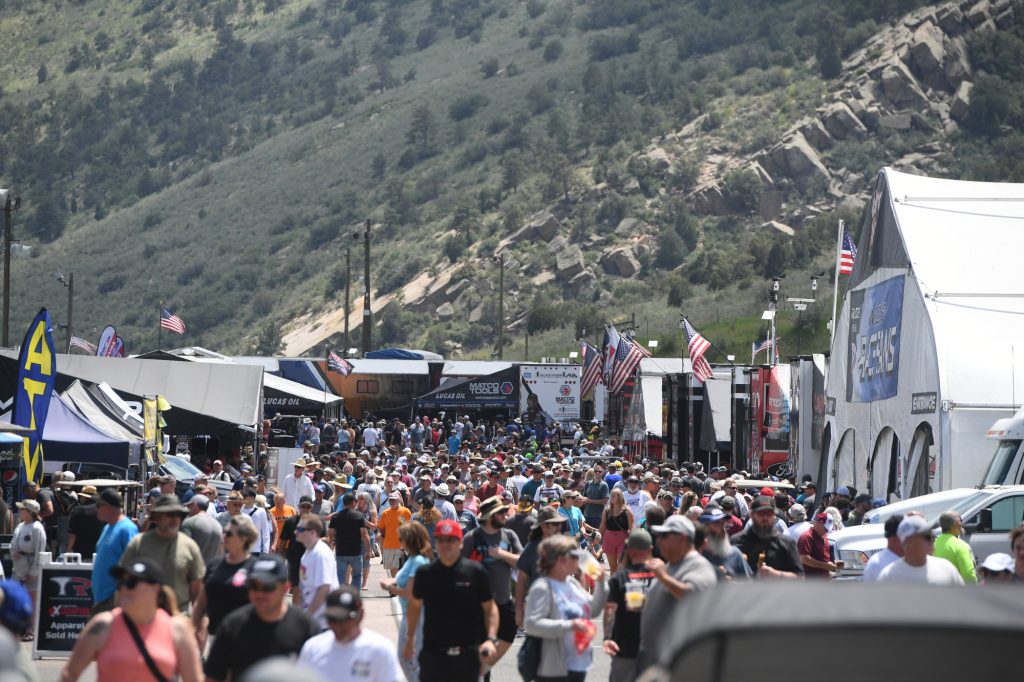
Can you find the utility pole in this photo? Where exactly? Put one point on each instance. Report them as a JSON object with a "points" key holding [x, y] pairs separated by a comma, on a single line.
{"points": [[501, 304], [367, 313], [11, 204], [348, 281], [69, 283]]}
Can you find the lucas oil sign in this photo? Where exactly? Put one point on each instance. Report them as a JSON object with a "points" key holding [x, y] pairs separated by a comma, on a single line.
{"points": [[873, 352]]}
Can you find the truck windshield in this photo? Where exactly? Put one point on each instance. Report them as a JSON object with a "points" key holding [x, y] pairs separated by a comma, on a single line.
{"points": [[1002, 460]]}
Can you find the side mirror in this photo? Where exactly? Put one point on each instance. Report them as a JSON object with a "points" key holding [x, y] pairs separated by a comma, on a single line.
{"points": [[970, 528]]}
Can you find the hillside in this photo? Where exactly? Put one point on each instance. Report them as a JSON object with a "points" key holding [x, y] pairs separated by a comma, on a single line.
{"points": [[623, 158]]}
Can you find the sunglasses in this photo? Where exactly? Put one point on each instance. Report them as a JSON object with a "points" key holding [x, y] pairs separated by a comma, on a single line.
{"points": [[130, 582], [265, 588], [301, 529], [229, 533]]}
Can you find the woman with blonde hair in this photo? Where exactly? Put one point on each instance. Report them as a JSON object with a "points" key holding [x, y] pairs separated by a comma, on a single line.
{"points": [[558, 606], [416, 545], [616, 522], [428, 515], [366, 507], [143, 638], [224, 586]]}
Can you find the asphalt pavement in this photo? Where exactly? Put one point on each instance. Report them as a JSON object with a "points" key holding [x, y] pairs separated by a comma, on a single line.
{"points": [[382, 615]]}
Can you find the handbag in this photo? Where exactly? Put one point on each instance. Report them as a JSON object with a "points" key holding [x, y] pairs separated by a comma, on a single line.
{"points": [[150, 663], [528, 658]]}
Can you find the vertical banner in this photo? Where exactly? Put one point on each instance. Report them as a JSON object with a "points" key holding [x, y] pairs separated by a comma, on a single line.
{"points": [[37, 371], [107, 340], [149, 428], [873, 353], [551, 393]]}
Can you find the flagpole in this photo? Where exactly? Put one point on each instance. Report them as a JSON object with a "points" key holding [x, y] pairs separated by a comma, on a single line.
{"points": [[159, 326], [711, 345], [835, 287], [327, 368]]}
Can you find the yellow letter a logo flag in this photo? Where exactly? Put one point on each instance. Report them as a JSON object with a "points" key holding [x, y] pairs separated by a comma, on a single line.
{"points": [[37, 372]]}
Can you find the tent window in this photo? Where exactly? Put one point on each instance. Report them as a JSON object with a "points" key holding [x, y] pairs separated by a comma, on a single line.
{"points": [[401, 387], [367, 386]]}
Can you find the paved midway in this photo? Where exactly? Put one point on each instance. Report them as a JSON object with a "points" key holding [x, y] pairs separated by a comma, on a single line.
{"points": [[383, 615]]}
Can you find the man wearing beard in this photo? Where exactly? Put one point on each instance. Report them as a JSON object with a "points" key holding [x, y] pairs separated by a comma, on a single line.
{"points": [[497, 548], [769, 553], [717, 549]]}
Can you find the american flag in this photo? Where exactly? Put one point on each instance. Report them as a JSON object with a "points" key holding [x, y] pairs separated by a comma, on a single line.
{"points": [[171, 322], [697, 345], [591, 368], [608, 348], [758, 346], [78, 342], [627, 358], [847, 254], [336, 363]]}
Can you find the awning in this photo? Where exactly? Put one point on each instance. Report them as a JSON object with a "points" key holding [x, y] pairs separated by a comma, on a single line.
{"points": [[494, 391], [364, 366], [78, 396], [402, 354], [290, 397], [467, 369]]}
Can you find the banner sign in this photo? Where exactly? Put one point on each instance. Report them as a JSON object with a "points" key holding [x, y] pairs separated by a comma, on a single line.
{"points": [[63, 602], [37, 372], [550, 393], [873, 353], [498, 390], [107, 340]]}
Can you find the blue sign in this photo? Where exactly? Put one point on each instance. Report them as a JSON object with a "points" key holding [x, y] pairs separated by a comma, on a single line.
{"points": [[873, 353], [37, 371]]}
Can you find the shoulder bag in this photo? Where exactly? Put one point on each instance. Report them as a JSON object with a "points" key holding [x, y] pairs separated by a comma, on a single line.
{"points": [[150, 663]]}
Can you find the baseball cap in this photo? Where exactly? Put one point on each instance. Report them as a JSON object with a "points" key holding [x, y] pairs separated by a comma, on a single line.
{"points": [[549, 515], [762, 503], [727, 502], [712, 514], [447, 529], [269, 568], [768, 490], [111, 497], [676, 524], [998, 563], [142, 569], [31, 505], [395, 496], [343, 603], [305, 499], [639, 539], [15, 606], [843, 491], [891, 524], [911, 526]]}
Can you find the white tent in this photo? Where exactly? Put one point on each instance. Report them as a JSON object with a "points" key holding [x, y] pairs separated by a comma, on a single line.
{"points": [[923, 357]]}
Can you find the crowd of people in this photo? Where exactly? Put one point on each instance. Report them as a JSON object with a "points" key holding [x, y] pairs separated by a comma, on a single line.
{"points": [[494, 533]]}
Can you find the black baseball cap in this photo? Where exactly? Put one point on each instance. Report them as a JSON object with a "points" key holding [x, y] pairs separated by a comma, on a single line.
{"points": [[343, 604], [269, 568], [111, 497], [305, 499], [142, 569]]}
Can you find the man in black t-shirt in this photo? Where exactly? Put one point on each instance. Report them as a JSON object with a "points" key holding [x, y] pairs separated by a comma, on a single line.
{"points": [[622, 613], [769, 553], [461, 626], [347, 532], [267, 627], [84, 526], [291, 548]]}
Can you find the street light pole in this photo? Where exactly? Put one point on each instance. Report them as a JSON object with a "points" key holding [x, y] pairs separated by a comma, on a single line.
{"points": [[501, 304], [367, 313], [69, 283], [348, 281], [11, 204]]}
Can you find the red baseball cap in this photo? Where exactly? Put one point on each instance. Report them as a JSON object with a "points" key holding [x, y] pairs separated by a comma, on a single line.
{"points": [[447, 529], [768, 490]]}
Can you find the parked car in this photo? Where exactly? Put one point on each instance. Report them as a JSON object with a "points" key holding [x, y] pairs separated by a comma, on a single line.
{"points": [[855, 545], [988, 516], [184, 473]]}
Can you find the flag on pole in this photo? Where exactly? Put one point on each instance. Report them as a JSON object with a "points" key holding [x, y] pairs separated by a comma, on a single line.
{"points": [[627, 358], [78, 342], [336, 363], [847, 254], [697, 345], [757, 346], [608, 349], [591, 368], [171, 322]]}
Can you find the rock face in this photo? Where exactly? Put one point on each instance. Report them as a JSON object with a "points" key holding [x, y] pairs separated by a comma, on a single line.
{"points": [[569, 263], [795, 159], [840, 121], [445, 311], [901, 88], [620, 262], [542, 226], [961, 101], [582, 283]]}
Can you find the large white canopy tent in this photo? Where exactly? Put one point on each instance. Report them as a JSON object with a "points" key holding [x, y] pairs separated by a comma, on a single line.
{"points": [[923, 356]]}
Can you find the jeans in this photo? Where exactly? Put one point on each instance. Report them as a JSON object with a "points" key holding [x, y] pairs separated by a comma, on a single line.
{"points": [[356, 562]]}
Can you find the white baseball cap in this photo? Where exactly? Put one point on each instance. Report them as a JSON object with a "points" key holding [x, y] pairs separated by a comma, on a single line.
{"points": [[911, 526]]}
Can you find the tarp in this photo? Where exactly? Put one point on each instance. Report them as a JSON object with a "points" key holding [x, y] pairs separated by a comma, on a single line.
{"points": [[459, 370], [650, 393], [365, 366], [937, 265], [718, 634], [78, 397], [108, 397], [209, 398], [68, 437], [289, 397], [402, 354], [494, 391]]}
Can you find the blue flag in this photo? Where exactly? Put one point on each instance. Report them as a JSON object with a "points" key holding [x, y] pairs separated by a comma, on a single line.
{"points": [[37, 372]]}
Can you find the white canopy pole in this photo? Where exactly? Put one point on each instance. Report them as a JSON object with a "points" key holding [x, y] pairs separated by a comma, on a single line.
{"points": [[835, 288]]}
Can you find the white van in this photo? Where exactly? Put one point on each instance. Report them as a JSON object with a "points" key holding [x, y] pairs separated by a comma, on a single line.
{"points": [[1007, 465]]}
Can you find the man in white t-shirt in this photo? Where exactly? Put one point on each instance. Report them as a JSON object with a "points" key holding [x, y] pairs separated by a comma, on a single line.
{"points": [[346, 651], [892, 553], [297, 484], [917, 564], [636, 500], [318, 574], [371, 436], [548, 490]]}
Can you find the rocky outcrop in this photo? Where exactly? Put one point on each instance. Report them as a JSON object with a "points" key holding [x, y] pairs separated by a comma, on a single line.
{"points": [[795, 159], [620, 262], [569, 263], [543, 226], [961, 102], [841, 123]]}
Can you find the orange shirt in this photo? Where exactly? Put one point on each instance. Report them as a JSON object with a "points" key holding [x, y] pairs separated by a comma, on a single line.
{"points": [[281, 515], [389, 521]]}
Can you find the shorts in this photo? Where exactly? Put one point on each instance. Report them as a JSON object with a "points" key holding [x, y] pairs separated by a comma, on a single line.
{"points": [[507, 627], [439, 667], [392, 558], [614, 542]]}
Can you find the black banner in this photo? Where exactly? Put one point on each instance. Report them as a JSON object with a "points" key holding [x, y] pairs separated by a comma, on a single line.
{"points": [[64, 602], [498, 390]]}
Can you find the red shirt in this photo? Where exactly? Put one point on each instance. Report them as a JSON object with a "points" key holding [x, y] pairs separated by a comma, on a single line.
{"points": [[485, 491], [815, 546]]}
